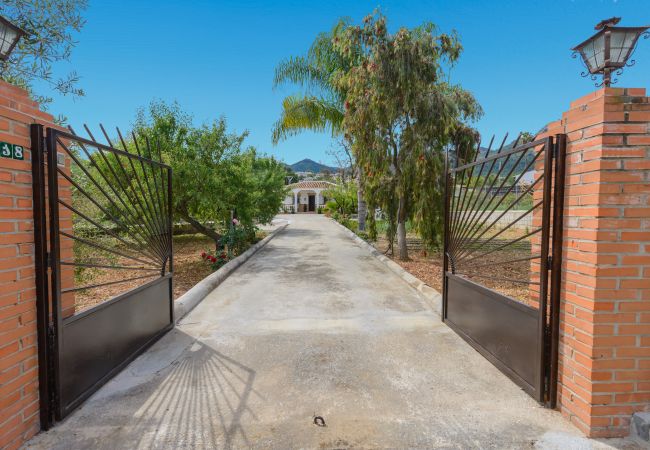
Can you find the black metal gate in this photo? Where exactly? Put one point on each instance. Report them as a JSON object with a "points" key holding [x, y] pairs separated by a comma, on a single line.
{"points": [[503, 237], [103, 233]]}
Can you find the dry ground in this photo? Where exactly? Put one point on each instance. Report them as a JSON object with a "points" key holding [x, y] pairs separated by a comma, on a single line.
{"points": [[423, 264], [189, 269], [427, 266]]}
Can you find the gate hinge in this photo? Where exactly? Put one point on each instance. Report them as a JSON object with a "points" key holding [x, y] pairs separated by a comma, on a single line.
{"points": [[549, 262], [48, 259]]}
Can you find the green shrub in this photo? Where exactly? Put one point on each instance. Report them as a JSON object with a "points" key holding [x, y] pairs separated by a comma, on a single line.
{"points": [[216, 259], [363, 235], [350, 224], [382, 226], [237, 239], [343, 198], [330, 206]]}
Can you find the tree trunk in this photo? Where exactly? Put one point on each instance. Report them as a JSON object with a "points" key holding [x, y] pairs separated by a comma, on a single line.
{"points": [[401, 230], [198, 226], [362, 209], [372, 223]]}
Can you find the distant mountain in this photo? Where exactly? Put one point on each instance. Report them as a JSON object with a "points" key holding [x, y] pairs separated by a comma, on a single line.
{"points": [[308, 165]]}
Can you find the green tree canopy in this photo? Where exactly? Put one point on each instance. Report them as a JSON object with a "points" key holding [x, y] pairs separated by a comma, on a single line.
{"points": [[213, 173], [319, 106], [50, 25], [402, 113]]}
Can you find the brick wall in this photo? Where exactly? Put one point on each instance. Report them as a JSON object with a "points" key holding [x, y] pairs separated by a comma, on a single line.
{"points": [[19, 405], [605, 314], [538, 167]]}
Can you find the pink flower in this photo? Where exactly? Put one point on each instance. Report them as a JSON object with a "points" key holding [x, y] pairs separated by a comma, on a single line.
{"points": [[213, 259], [235, 222]]}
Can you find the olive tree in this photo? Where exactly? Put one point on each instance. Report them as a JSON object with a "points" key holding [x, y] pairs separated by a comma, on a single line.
{"points": [[214, 174], [50, 26]]}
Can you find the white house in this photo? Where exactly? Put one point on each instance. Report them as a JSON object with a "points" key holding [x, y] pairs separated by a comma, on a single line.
{"points": [[306, 196]]}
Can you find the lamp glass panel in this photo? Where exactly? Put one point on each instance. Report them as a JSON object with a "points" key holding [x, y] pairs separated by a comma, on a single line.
{"points": [[599, 52], [621, 46], [8, 36], [593, 53], [587, 53]]}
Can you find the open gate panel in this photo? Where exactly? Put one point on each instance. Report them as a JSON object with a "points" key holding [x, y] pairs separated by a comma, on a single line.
{"points": [[104, 266], [502, 258]]}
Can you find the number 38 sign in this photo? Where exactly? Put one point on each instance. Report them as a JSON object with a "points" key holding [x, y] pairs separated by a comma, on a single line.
{"points": [[12, 151]]}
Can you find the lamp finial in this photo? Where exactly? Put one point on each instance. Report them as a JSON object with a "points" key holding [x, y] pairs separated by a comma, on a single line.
{"points": [[612, 21]]}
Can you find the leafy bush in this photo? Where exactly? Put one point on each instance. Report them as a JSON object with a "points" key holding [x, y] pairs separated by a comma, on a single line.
{"points": [[237, 239], [343, 199], [382, 226], [215, 259], [349, 224], [233, 243]]}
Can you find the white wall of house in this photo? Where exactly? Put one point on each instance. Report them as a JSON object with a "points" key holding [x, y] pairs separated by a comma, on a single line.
{"points": [[299, 194], [301, 197]]}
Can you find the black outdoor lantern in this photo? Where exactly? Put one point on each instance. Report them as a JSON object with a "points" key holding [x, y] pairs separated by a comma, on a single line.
{"points": [[609, 49], [9, 36]]}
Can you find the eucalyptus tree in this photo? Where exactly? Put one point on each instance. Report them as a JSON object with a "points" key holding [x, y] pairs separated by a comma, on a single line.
{"points": [[320, 105], [403, 113]]}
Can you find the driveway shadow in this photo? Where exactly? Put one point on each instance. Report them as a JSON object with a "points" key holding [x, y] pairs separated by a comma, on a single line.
{"points": [[202, 398], [192, 398]]}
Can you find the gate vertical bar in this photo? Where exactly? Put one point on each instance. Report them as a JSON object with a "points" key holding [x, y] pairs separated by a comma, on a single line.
{"points": [[544, 267], [40, 267], [445, 259], [170, 218], [55, 272], [556, 270]]}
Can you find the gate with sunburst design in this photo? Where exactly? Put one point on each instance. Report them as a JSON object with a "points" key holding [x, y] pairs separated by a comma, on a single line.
{"points": [[103, 237], [502, 258]]}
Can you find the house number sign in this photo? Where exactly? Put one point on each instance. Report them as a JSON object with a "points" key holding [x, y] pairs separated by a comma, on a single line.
{"points": [[12, 151]]}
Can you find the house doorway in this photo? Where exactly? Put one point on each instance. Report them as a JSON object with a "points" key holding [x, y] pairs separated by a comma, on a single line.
{"points": [[312, 203]]}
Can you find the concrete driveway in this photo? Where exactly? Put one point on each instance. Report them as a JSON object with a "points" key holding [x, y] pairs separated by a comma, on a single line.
{"points": [[312, 325]]}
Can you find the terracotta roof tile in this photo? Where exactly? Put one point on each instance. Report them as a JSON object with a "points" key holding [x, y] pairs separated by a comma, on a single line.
{"points": [[311, 185]]}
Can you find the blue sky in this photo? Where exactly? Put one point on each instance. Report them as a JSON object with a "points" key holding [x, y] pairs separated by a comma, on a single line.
{"points": [[217, 58]]}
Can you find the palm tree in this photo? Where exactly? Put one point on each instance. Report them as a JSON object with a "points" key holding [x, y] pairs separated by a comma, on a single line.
{"points": [[320, 106]]}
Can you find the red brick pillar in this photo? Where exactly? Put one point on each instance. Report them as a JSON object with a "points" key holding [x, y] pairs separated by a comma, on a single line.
{"points": [[605, 308], [19, 403]]}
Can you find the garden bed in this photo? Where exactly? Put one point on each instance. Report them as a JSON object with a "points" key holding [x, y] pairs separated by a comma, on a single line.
{"points": [[189, 269], [427, 266]]}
